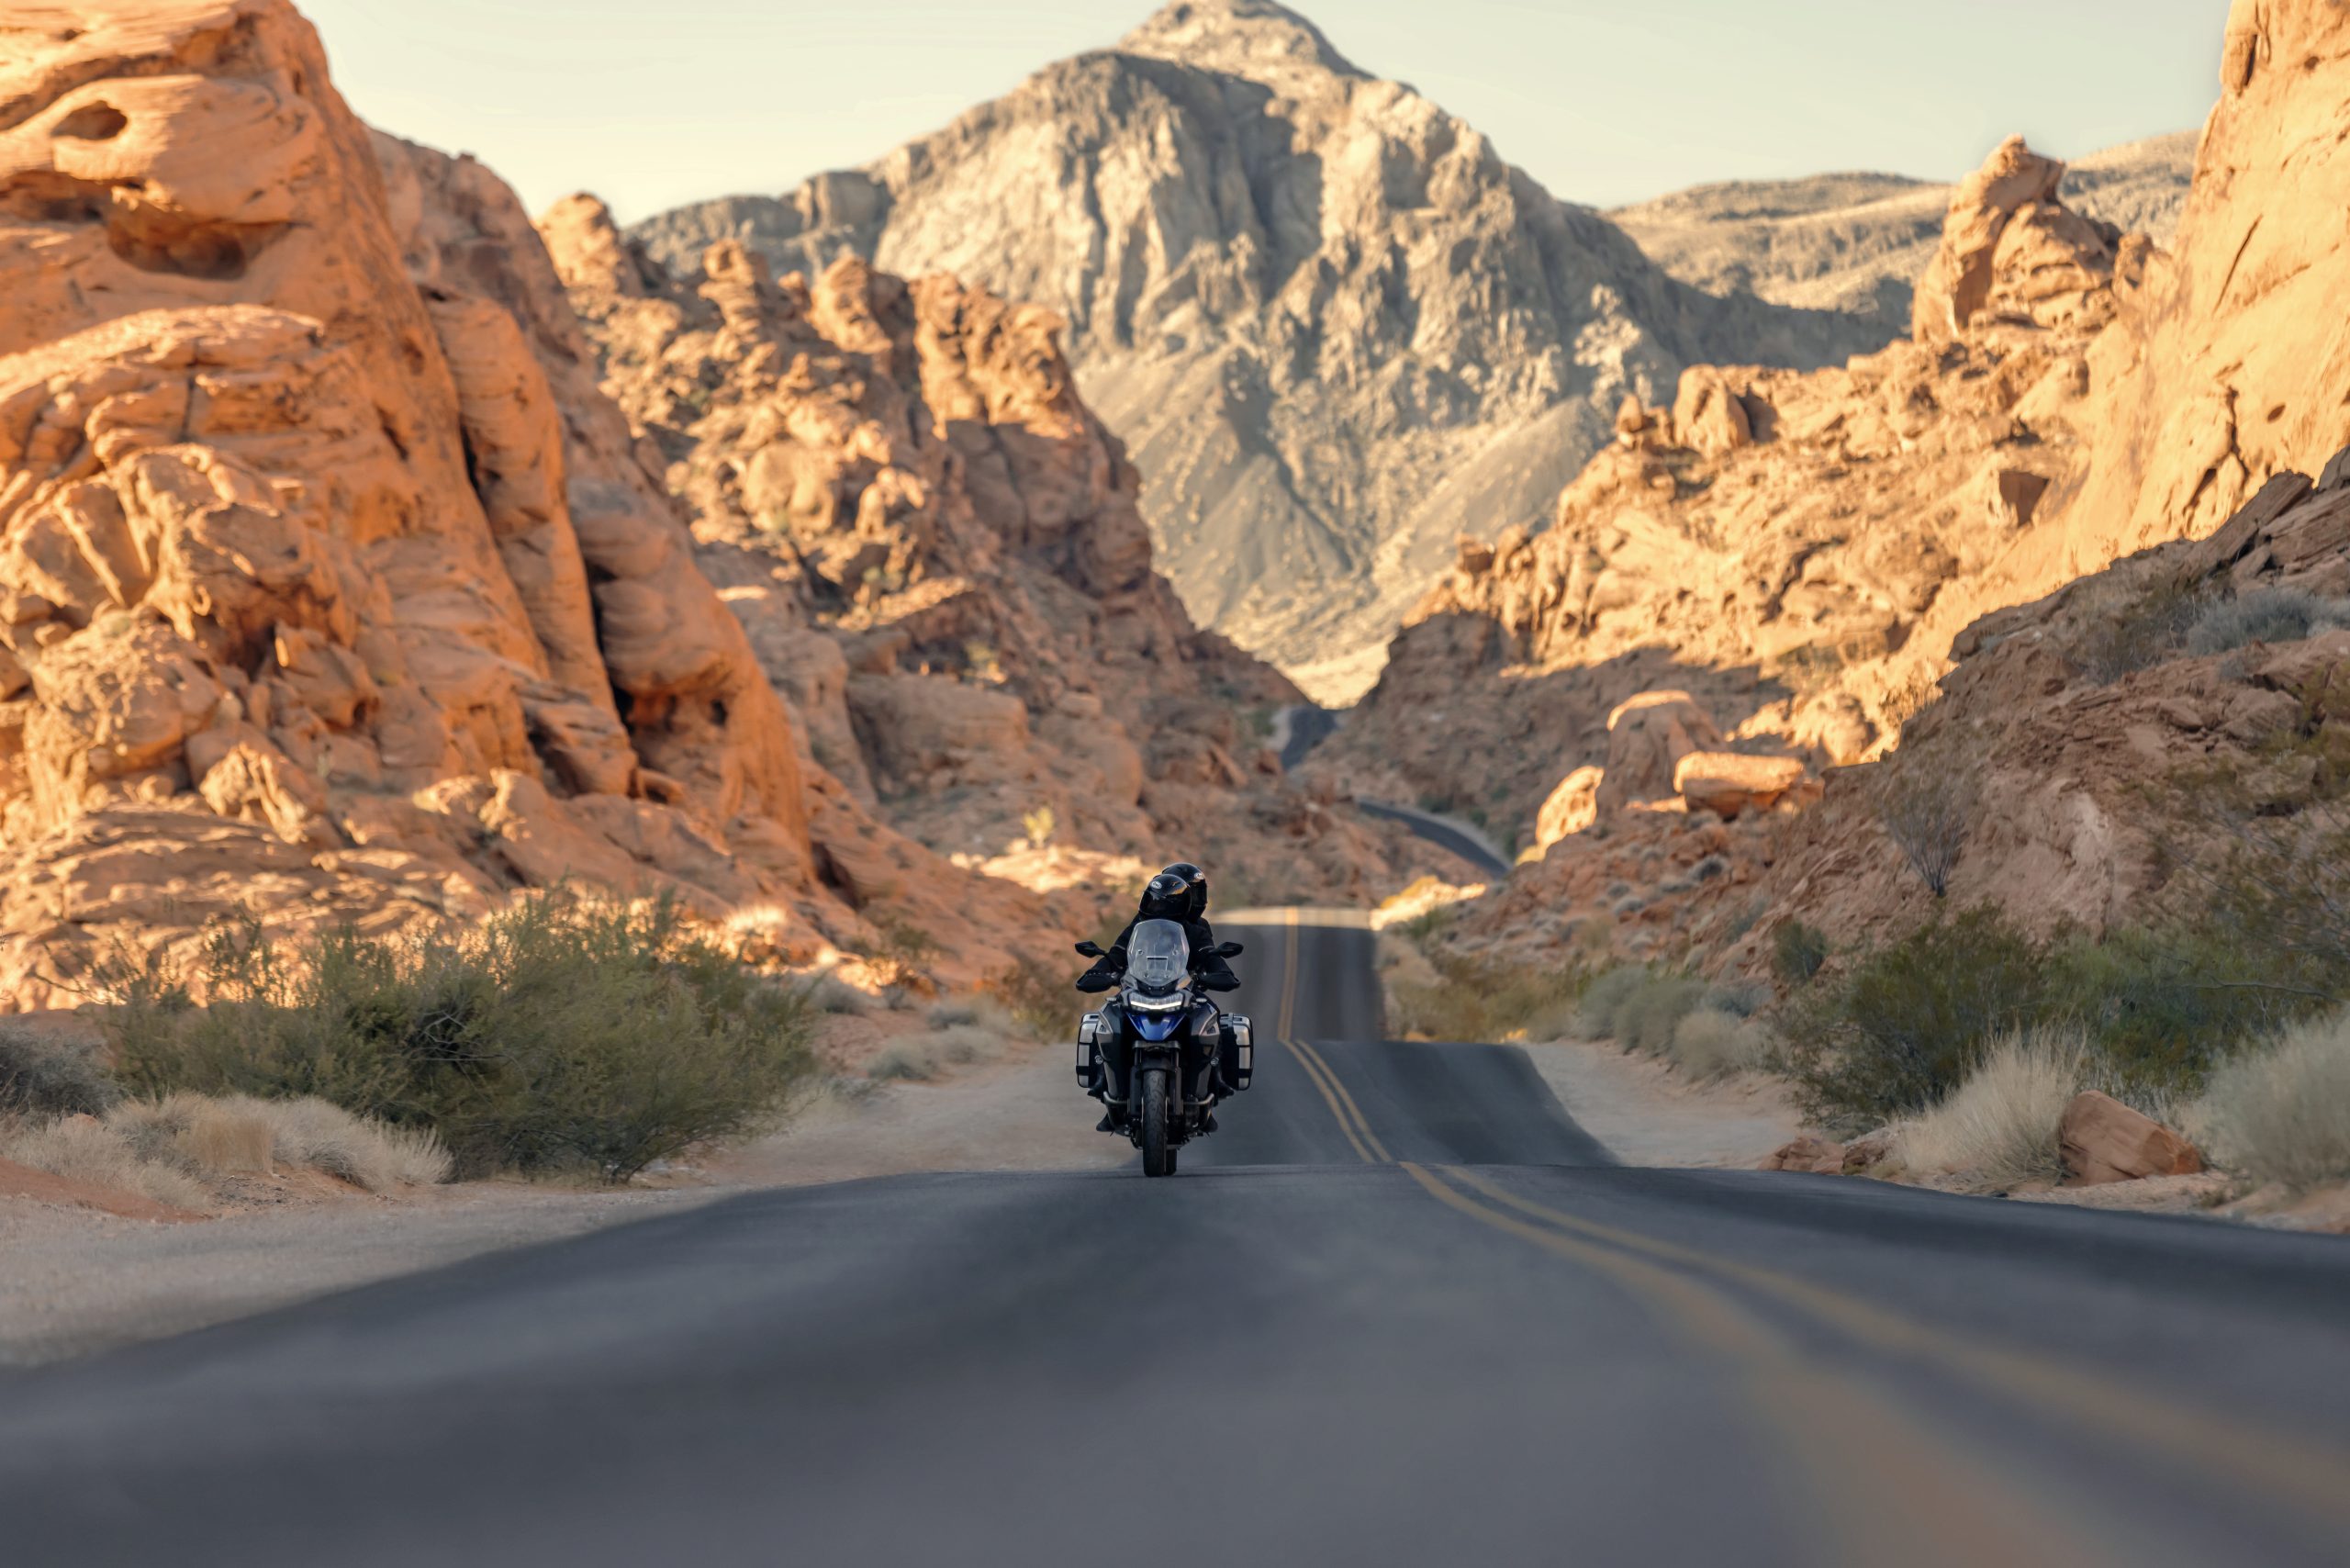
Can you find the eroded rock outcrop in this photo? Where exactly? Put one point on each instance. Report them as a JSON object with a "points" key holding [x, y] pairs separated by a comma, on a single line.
{"points": [[2219, 378], [1329, 318], [1792, 550], [938, 553], [330, 587]]}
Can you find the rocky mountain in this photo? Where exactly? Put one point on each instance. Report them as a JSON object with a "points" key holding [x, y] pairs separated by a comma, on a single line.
{"points": [[332, 590], [1330, 320], [1856, 242], [938, 552], [2085, 684], [1792, 549]]}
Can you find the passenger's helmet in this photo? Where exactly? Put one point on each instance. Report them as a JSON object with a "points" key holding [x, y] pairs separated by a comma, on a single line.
{"points": [[1180, 892]]}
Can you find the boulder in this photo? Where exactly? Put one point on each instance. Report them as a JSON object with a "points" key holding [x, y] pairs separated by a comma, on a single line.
{"points": [[2103, 1140], [1731, 783], [1811, 1153], [1707, 414], [1571, 807], [1647, 737]]}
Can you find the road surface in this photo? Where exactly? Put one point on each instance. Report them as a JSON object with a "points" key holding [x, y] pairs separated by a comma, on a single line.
{"points": [[1399, 1311], [1459, 837]]}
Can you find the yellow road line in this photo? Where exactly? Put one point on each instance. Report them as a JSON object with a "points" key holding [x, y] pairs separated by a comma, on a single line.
{"points": [[1284, 1021], [2313, 1478], [1890, 1490], [1338, 1085], [1321, 1086], [2307, 1472]]}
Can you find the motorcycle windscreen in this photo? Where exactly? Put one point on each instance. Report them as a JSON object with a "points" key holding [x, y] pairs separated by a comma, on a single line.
{"points": [[1158, 954]]}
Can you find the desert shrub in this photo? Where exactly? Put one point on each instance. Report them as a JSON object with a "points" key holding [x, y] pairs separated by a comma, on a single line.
{"points": [[902, 1059], [830, 993], [1711, 1043], [1649, 1016], [1479, 1000], [1604, 1000], [2162, 1004], [900, 948], [82, 1148], [2140, 632], [1998, 1125], [2263, 615], [1043, 1004], [1926, 809], [556, 1034], [42, 1074], [2281, 1112], [1797, 951], [1903, 1026]]}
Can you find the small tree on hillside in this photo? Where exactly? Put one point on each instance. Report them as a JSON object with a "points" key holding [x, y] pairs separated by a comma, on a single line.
{"points": [[1927, 809]]}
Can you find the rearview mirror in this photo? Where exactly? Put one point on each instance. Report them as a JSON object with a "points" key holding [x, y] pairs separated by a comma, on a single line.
{"points": [[1090, 950], [1229, 949]]}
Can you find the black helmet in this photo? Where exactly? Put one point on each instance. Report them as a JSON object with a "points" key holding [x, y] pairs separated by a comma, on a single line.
{"points": [[1180, 892]]}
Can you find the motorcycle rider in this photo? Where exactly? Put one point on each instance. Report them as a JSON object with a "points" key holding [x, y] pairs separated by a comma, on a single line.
{"points": [[1178, 893]]}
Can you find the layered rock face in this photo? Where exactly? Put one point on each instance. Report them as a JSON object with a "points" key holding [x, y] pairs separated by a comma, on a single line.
{"points": [[2230, 372], [1328, 319], [1793, 550], [330, 589], [1858, 243], [938, 553], [2077, 726]]}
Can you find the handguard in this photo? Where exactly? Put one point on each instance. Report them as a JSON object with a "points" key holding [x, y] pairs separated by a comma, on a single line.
{"points": [[1090, 981]]}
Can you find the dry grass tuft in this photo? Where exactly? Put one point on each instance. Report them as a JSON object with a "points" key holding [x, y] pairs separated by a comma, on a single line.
{"points": [[1711, 1042], [1998, 1126], [2282, 1112], [960, 1035], [82, 1148]]}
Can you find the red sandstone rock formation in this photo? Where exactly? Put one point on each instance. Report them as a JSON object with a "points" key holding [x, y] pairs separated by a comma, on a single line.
{"points": [[937, 551], [330, 589], [1793, 550]]}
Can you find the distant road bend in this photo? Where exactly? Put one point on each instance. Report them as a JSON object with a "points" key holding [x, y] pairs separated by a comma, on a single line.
{"points": [[1399, 1311]]}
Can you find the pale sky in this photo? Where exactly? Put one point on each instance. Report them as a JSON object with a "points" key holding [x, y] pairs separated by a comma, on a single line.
{"points": [[1604, 101]]}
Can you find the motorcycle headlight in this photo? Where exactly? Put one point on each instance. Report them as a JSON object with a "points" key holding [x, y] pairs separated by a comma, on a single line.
{"points": [[1141, 1003]]}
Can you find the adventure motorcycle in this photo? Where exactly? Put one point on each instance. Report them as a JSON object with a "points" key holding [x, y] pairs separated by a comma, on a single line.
{"points": [[1159, 1055]]}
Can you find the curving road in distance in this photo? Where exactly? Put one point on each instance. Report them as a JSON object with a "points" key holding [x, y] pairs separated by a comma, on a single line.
{"points": [[1399, 1311]]}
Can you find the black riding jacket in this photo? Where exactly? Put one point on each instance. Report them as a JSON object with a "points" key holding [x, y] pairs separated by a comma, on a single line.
{"points": [[1206, 963]]}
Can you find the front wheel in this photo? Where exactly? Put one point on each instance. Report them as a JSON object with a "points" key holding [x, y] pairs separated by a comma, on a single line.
{"points": [[1157, 1157]]}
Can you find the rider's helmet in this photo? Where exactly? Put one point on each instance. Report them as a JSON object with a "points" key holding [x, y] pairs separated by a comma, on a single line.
{"points": [[1180, 892]]}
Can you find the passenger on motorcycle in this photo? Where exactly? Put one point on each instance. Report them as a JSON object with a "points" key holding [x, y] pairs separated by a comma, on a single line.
{"points": [[1178, 893]]}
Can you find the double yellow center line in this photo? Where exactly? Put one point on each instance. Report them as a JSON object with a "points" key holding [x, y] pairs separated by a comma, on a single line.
{"points": [[1878, 1475]]}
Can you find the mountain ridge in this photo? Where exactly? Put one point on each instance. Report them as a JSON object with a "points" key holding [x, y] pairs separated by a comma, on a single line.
{"points": [[1288, 284]]}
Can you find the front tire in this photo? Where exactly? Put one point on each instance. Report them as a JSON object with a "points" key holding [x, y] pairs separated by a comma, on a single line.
{"points": [[1157, 1157]]}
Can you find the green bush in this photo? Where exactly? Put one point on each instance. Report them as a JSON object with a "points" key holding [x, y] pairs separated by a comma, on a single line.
{"points": [[555, 1035], [1905, 1027], [1797, 951], [42, 1075]]}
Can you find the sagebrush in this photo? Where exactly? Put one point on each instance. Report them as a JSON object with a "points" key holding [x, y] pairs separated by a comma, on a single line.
{"points": [[559, 1032]]}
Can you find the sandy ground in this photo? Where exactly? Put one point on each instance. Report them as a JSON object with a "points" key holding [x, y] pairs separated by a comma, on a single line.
{"points": [[73, 1280], [1024, 1113], [1647, 1114]]}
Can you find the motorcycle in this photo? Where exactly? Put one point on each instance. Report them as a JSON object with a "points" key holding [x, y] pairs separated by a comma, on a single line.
{"points": [[1160, 1054]]}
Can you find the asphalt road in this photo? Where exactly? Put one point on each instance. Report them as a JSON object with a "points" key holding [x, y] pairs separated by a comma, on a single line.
{"points": [[1399, 1311]]}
